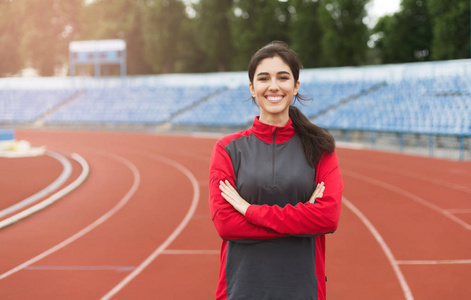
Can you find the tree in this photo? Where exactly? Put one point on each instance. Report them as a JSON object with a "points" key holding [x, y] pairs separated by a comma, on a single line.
{"points": [[161, 31], [212, 29], [255, 24], [345, 36], [10, 38], [451, 28], [46, 27], [118, 19], [305, 31], [406, 36]]}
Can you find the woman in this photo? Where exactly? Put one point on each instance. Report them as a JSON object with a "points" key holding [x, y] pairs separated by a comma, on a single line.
{"points": [[263, 197]]}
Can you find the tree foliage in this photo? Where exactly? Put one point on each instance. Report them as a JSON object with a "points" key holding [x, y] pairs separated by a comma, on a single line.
{"points": [[344, 33], [405, 36], [213, 33], [10, 38], [164, 36], [305, 31], [256, 23], [451, 28]]}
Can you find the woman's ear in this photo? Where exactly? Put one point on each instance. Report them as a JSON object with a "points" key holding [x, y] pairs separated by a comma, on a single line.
{"points": [[252, 91], [296, 87]]}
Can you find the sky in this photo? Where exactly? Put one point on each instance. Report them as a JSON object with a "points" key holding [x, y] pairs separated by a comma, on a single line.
{"points": [[379, 8]]}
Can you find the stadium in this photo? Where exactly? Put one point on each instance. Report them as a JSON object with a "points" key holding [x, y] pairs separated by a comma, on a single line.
{"points": [[421, 108], [104, 179]]}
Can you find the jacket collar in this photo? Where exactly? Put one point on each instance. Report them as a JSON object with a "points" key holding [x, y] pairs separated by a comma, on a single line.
{"points": [[266, 132]]}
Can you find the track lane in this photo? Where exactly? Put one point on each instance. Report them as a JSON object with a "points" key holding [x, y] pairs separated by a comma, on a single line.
{"points": [[13, 172], [356, 266], [190, 266], [413, 231]]}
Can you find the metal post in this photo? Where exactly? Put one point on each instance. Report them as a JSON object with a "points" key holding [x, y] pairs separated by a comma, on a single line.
{"points": [[373, 139], [461, 147], [430, 145], [97, 65], [123, 64], [71, 65], [401, 141]]}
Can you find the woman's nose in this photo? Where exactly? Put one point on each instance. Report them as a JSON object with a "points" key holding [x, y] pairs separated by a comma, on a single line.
{"points": [[273, 85]]}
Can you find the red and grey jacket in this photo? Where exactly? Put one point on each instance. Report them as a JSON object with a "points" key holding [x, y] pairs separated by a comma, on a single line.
{"points": [[277, 250]]}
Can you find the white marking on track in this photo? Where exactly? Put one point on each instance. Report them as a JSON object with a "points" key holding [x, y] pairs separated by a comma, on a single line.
{"points": [[52, 199], [450, 185], [175, 233], [81, 268], [66, 171], [103, 218], [405, 287], [409, 195], [459, 211], [434, 262]]}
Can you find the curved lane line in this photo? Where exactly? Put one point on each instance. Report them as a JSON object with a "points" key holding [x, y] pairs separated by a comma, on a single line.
{"points": [[175, 233], [409, 195], [405, 287], [45, 203], [66, 171], [103, 218], [435, 262], [449, 185]]}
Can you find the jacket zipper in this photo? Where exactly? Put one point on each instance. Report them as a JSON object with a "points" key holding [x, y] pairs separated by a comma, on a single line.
{"points": [[273, 158]]}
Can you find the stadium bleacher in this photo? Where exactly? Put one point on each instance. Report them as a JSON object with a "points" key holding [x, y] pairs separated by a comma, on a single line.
{"points": [[424, 98], [426, 106], [143, 104], [24, 105]]}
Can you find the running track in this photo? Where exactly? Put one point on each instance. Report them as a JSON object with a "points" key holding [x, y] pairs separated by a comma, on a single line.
{"points": [[139, 226]]}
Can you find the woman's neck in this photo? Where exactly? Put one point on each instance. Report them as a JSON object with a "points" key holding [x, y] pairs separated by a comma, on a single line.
{"points": [[278, 120]]}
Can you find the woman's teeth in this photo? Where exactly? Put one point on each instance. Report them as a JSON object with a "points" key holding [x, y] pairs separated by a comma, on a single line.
{"points": [[274, 98]]}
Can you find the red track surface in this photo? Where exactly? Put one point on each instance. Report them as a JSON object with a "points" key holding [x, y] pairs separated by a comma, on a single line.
{"points": [[144, 187]]}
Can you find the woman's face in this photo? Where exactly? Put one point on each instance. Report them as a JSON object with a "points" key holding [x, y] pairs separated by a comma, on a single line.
{"points": [[273, 87]]}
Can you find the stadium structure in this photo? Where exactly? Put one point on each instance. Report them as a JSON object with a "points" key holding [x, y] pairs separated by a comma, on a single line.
{"points": [[420, 108]]}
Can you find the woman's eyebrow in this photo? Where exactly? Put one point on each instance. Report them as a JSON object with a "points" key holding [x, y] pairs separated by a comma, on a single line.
{"points": [[284, 72], [279, 73]]}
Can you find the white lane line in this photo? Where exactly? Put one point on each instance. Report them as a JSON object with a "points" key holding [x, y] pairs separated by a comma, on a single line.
{"points": [[175, 233], [103, 218], [409, 195], [191, 252], [435, 262], [459, 211], [405, 287], [66, 171], [81, 268], [449, 185], [53, 198]]}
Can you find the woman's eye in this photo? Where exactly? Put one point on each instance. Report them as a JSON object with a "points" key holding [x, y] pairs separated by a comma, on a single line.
{"points": [[263, 78], [284, 78]]}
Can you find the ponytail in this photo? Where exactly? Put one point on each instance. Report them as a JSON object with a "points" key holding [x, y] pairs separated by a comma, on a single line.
{"points": [[315, 140]]}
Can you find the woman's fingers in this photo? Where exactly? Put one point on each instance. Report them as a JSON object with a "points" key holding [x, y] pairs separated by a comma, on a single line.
{"points": [[318, 192], [231, 195], [227, 188]]}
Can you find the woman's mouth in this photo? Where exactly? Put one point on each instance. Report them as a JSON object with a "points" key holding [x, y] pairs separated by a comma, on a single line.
{"points": [[274, 99]]}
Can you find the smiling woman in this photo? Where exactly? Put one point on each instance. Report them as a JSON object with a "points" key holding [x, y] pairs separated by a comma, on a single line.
{"points": [[274, 88], [275, 191]]}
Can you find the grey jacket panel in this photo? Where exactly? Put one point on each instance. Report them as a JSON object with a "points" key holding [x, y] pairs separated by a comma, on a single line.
{"points": [[272, 174]]}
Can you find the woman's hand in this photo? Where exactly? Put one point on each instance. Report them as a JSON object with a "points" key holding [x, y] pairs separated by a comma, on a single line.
{"points": [[232, 196], [318, 193]]}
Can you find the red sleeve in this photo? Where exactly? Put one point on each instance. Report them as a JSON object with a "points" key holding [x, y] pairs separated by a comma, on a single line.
{"points": [[229, 223], [318, 218]]}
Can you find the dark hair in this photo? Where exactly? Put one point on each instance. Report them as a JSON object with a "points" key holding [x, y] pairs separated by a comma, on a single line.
{"points": [[315, 140]]}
